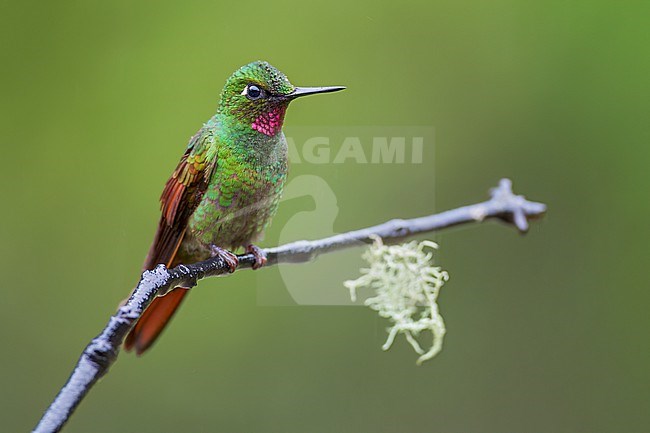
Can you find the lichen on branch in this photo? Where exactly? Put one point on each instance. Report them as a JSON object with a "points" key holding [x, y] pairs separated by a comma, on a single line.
{"points": [[405, 285]]}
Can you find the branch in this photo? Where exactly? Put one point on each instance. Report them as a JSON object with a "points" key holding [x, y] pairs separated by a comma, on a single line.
{"points": [[102, 351]]}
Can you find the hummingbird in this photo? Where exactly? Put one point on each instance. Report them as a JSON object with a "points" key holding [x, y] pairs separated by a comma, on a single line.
{"points": [[226, 187]]}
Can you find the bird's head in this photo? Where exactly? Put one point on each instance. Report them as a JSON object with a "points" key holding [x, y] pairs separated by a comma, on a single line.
{"points": [[258, 94]]}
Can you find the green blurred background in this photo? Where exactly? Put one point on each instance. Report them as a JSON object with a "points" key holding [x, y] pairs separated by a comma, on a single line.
{"points": [[546, 333]]}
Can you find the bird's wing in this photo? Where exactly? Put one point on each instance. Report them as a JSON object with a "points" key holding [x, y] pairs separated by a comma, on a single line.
{"points": [[182, 194]]}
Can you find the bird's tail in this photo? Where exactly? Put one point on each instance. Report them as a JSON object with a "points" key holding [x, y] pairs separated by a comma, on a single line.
{"points": [[159, 313], [153, 320]]}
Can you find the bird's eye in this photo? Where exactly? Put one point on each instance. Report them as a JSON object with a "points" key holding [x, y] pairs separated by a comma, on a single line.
{"points": [[253, 92]]}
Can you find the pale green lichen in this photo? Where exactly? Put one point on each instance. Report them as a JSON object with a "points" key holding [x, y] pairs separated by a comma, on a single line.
{"points": [[406, 286]]}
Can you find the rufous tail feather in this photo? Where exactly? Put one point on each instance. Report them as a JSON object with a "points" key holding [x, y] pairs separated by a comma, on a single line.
{"points": [[153, 320]]}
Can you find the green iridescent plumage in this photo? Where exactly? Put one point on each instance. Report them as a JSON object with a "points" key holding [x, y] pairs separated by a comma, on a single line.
{"points": [[244, 189], [227, 186]]}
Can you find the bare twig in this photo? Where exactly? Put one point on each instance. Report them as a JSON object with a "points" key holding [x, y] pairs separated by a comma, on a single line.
{"points": [[102, 351]]}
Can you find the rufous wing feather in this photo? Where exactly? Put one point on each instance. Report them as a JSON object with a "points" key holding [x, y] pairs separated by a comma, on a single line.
{"points": [[179, 199]]}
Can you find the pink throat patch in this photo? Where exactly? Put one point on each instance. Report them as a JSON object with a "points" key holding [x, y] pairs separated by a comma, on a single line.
{"points": [[270, 123]]}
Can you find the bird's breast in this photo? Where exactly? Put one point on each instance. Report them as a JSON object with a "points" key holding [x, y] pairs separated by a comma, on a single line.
{"points": [[239, 202]]}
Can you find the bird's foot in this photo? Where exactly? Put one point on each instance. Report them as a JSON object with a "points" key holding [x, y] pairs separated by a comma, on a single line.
{"points": [[229, 258], [259, 254]]}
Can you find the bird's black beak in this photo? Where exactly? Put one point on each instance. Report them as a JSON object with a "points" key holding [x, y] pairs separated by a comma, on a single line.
{"points": [[304, 91]]}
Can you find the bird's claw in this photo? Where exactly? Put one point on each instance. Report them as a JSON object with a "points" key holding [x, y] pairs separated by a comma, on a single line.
{"points": [[259, 254], [229, 258]]}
